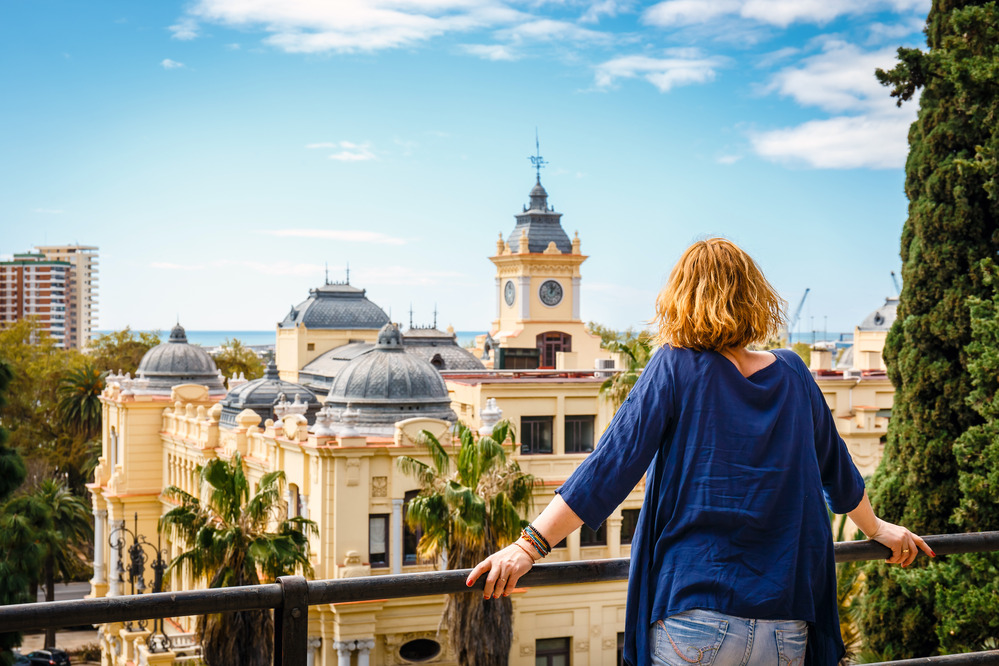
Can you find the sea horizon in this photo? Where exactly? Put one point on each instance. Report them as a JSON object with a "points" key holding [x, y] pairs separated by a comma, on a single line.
{"points": [[208, 338]]}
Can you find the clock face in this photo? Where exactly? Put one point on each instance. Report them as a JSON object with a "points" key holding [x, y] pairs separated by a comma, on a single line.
{"points": [[550, 293], [509, 292]]}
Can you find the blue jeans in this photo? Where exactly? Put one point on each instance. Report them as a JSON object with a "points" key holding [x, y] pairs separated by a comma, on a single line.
{"points": [[703, 637]]}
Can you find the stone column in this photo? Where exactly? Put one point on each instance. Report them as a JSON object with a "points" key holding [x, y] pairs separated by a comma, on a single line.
{"points": [[499, 298], [523, 294], [363, 648], [575, 297], [395, 545], [315, 642], [100, 544], [113, 573], [614, 534], [343, 649]]}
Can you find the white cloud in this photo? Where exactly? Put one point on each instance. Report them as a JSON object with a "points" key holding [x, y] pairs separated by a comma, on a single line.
{"points": [[870, 132], [688, 12], [344, 235], [233, 47], [171, 64], [185, 29], [354, 25], [490, 51], [48, 211], [782, 13], [684, 68], [549, 30], [876, 141], [598, 8], [348, 150], [841, 78], [728, 159]]}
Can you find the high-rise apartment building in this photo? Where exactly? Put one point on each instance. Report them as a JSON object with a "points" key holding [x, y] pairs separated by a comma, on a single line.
{"points": [[33, 286], [81, 291]]}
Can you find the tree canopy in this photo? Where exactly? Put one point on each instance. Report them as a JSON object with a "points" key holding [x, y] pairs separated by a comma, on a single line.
{"points": [[472, 502], [121, 350], [230, 535], [930, 477], [235, 358]]}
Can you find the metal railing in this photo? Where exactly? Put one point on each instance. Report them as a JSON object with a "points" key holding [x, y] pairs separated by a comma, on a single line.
{"points": [[291, 597]]}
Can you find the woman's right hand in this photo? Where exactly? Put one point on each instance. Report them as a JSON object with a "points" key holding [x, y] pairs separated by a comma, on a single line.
{"points": [[901, 541], [504, 567]]}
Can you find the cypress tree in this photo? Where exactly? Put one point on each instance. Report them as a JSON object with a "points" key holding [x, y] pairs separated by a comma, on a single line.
{"points": [[927, 479]]}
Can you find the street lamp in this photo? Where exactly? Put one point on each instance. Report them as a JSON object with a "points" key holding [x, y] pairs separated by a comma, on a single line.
{"points": [[137, 558]]}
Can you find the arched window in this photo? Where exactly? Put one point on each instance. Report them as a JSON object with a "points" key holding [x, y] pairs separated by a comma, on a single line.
{"points": [[437, 362], [550, 343]]}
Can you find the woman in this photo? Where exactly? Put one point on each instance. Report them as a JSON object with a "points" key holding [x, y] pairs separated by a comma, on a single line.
{"points": [[732, 559]]}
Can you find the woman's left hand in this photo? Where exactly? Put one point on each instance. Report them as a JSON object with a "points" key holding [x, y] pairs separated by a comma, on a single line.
{"points": [[504, 567]]}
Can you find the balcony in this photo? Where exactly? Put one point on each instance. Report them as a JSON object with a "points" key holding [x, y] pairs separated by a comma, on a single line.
{"points": [[291, 597]]}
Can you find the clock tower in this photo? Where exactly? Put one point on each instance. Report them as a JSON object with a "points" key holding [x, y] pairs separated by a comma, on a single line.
{"points": [[538, 293]]}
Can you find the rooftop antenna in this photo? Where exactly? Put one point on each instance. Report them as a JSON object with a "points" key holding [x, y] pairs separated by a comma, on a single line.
{"points": [[348, 272], [327, 273], [435, 315], [411, 315], [536, 159]]}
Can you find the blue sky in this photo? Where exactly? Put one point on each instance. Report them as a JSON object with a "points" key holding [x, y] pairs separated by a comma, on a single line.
{"points": [[222, 152]]}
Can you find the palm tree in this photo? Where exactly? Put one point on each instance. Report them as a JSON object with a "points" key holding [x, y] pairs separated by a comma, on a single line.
{"points": [[227, 534], [50, 528], [470, 504], [636, 350], [80, 400]]}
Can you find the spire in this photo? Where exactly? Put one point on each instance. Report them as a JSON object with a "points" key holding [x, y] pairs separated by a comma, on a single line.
{"points": [[536, 159], [348, 272], [327, 273], [410, 316]]}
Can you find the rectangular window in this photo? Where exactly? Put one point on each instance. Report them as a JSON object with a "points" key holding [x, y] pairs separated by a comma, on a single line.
{"points": [[588, 537], [535, 434], [311, 346], [552, 652], [579, 434], [378, 530], [629, 521], [410, 536]]}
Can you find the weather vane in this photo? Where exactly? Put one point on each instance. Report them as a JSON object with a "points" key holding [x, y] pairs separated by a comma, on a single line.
{"points": [[537, 160]]}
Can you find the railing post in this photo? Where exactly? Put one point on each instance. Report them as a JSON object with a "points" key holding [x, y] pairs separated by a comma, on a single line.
{"points": [[291, 623]]}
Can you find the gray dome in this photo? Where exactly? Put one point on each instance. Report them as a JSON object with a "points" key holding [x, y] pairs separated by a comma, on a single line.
{"points": [[387, 385], [542, 223], [336, 306], [440, 349], [882, 318], [177, 362], [262, 394]]}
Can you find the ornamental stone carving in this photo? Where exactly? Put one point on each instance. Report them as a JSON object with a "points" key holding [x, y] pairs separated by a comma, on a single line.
{"points": [[379, 486]]}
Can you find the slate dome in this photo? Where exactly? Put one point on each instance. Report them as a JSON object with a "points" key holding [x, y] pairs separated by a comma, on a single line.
{"points": [[262, 394], [387, 385], [177, 362], [336, 306], [882, 318]]}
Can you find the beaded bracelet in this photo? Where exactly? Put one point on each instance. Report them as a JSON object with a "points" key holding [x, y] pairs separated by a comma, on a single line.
{"points": [[534, 530], [535, 538]]}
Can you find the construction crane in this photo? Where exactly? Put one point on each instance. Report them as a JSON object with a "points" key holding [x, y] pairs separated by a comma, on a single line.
{"points": [[796, 317], [898, 287]]}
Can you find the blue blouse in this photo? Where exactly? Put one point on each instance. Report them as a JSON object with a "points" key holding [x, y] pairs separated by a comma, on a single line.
{"points": [[739, 471]]}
